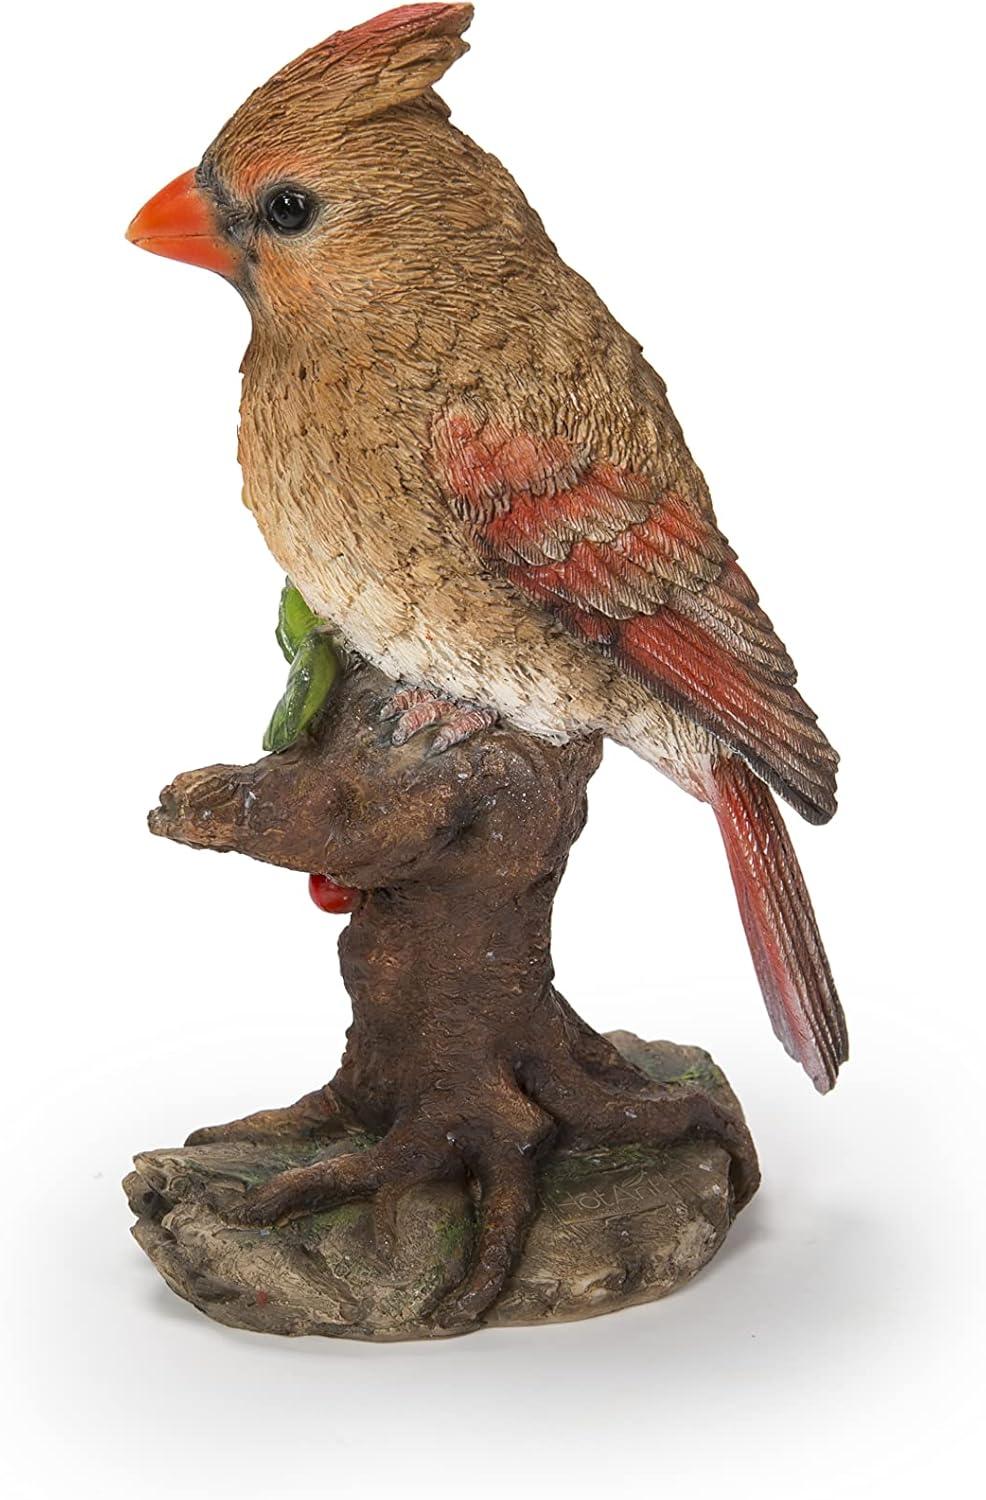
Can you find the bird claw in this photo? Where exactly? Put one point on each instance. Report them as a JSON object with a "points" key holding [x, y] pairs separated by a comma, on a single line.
{"points": [[420, 708], [403, 699]]}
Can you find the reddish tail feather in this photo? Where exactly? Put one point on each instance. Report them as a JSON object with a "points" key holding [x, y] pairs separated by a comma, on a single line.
{"points": [[780, 925]]}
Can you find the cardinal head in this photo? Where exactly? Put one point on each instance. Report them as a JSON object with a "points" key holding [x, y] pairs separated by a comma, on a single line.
{"points": [[340, 182]]}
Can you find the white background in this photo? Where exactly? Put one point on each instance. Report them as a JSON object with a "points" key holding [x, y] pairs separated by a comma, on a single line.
{"points": [[783, 202]]}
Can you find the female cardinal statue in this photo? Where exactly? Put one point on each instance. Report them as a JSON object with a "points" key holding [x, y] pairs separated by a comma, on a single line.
{"points": [[466, 465]]}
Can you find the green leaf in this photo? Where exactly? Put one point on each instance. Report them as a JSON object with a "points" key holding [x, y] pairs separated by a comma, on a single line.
{"points": [[294, 620], [314, 670]]}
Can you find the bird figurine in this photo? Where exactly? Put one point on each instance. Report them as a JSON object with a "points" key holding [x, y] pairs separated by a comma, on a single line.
{"points": [[462, 461]]}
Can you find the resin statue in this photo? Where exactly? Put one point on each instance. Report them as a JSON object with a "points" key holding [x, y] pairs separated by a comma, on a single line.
{"points": [[499, 549]]}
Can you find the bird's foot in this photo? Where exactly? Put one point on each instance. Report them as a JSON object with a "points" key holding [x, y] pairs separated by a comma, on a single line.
{"points": [[419, 708], [319, 1113]]}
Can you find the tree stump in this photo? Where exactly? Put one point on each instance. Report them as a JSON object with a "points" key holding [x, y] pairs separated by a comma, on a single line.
{"points": [[467, 1080]]}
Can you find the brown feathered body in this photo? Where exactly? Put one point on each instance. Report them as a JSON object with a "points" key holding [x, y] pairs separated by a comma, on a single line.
{"points": [[463, 297]]}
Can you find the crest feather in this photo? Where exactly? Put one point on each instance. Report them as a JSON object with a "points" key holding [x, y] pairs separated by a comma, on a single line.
{"points": [[389, 60]]}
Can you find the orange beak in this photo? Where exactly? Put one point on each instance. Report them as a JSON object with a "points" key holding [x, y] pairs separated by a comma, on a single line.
{"points": [[181, 223]]}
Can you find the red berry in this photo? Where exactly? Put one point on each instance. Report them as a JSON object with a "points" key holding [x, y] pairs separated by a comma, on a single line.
{"points": [[328, 896]]}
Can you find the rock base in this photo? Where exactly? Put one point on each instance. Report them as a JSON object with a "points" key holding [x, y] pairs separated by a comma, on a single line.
{"points": [[614, 1227]]}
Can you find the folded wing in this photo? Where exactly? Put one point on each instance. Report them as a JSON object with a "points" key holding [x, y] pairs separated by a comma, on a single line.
{"points": [[644, 575]]}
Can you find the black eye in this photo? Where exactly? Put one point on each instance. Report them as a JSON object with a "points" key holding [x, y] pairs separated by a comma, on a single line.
{"points": [[289, 210]]}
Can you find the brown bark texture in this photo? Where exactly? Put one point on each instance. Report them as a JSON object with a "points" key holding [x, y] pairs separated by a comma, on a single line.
{"points": [[463, 1062]]}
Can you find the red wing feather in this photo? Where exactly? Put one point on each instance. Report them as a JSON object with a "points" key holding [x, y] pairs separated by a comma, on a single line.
{"points": [[646, 577]]}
